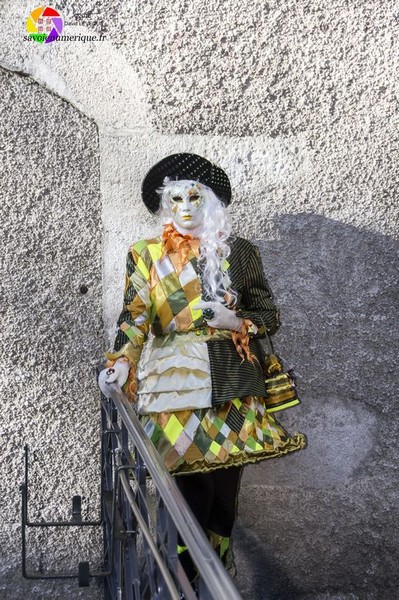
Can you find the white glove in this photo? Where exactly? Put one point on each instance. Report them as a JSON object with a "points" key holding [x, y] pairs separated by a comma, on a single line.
{"points": [[118, 373], [222, 318]]}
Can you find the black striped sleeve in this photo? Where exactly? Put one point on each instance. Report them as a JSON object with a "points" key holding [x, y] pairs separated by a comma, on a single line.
{"points": [[257, 302]]}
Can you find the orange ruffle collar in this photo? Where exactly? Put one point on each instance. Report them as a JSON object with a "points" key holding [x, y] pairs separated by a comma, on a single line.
{"points": [[176, 242]]}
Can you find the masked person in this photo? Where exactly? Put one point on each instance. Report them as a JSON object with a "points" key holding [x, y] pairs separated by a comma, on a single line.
{"points": [[200, 391]]}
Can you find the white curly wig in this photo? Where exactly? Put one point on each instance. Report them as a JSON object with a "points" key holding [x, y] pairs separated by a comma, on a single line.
{"points": [[213, 237]]}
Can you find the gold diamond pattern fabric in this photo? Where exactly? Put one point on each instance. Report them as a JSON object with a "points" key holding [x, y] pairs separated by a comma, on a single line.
{"points": [[236, 433], [160, 292], [172, 294]]}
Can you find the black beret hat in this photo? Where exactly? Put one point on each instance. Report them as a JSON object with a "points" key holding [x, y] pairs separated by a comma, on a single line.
{"points": [[184, 166]]}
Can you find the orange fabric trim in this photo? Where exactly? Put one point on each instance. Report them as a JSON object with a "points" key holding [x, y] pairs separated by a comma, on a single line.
{"points": [[130, 387], [241, 341], [182, 245]]}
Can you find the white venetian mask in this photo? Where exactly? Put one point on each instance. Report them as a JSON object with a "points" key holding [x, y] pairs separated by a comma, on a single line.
{"points": [[186, 203]]}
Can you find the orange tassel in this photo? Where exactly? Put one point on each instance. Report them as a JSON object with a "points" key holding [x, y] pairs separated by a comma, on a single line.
{"points": [[241, 342]]}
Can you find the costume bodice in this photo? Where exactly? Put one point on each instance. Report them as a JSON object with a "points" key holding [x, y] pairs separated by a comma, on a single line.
{"points": [[170, 286]]}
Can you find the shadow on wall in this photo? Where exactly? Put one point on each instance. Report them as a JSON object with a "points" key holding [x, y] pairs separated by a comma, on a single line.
{"points": [[337, 287], [260, 574]]}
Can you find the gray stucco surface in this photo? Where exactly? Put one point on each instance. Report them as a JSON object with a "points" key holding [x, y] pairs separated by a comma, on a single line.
{"points": [[273, 68], [51, 331], [298, 102]]}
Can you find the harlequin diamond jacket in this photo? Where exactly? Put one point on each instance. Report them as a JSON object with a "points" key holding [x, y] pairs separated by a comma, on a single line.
{"points": [[162, 287]]}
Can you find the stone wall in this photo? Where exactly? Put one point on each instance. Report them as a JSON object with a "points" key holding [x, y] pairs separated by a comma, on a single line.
{"points": [[298, 101], [51, 327]]}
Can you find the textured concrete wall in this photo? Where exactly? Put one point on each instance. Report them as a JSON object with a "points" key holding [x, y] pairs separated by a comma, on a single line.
{"points": [[298, 101], [51, 329]]}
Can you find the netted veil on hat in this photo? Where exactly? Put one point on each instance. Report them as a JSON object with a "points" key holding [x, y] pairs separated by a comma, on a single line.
{"points": [[184, 166]]}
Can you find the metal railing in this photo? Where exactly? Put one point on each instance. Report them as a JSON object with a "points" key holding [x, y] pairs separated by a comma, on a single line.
{"points": [[142, 514]]}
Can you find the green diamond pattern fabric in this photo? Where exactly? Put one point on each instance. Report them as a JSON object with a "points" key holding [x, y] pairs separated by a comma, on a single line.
{"points": [[202, 440]]}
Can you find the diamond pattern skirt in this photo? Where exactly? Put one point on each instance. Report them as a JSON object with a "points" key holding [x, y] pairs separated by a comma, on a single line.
{"points": [[236, 433]]}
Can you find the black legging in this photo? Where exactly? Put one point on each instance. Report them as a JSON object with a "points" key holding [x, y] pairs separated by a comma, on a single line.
{"points": [[212, 497]]}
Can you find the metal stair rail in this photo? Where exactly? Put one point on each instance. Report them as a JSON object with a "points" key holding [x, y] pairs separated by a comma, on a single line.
{"points": [[142, 515]]}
